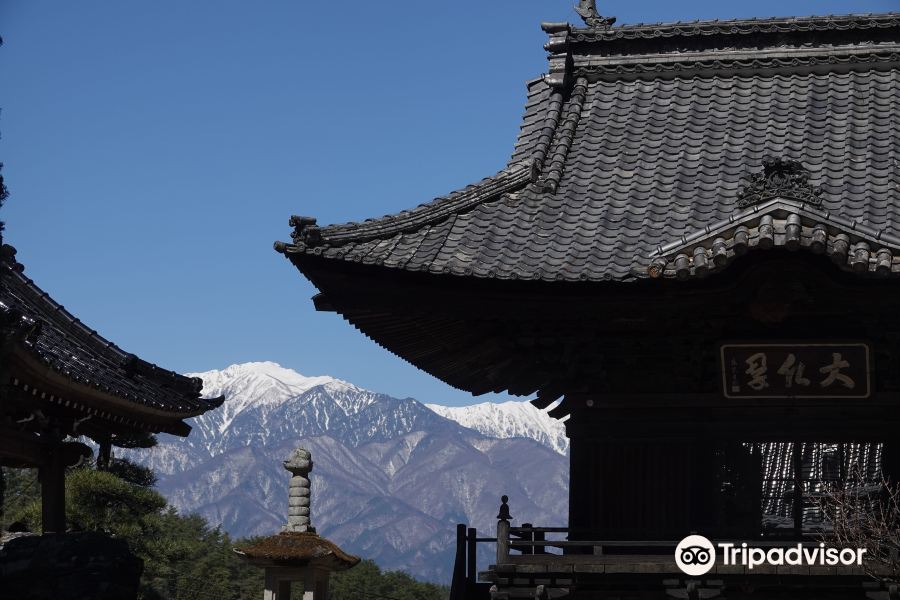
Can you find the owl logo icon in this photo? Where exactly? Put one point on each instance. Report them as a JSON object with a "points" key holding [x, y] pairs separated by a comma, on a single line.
{"points": [[695, 555]]}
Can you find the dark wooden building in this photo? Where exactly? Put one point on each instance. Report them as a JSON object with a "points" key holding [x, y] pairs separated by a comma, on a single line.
{"points": [[60, 380], [695, 247]]}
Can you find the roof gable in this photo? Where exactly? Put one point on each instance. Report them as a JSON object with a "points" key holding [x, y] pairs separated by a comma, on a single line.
{"points": [[778, 223]]}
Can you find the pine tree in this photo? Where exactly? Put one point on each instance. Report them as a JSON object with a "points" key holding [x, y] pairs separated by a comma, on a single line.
{"points": [[184, 558]]}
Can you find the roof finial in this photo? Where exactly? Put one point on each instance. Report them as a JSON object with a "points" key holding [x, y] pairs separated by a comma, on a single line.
{"points": [[588, 11], [504, 515], [299, 463]]}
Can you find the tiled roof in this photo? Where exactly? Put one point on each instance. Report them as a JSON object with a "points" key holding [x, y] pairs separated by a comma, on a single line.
{"points": [[639, 142], [290, 548], [745, 26], [49, 333]]}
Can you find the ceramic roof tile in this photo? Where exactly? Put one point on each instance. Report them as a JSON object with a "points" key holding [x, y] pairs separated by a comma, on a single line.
{"points": [[647, 143], [64, 344]]}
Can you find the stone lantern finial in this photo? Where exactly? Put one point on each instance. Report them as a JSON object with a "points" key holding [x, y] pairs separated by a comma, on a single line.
{"points": [[297, 553], [299, 463]]}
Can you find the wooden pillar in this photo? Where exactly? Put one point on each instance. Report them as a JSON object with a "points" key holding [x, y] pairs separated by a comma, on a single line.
{"points": [[585, 501], [471, 556], [503, 519], [458, 582], [890, 461], [797, 511], [502, 542], [2, 496], [104, 454], [269, 593], [322, 585], [53, 492], [279, 580], [703, 496], [527, 537], [310, 581], [277, 587]]}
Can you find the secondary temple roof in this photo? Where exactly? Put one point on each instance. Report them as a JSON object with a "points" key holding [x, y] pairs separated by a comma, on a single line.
{"points": [[664, 151], [103, 381]]}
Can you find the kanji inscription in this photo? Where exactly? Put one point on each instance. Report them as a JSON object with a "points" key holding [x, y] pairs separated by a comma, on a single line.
{"points": [[795, 370]]}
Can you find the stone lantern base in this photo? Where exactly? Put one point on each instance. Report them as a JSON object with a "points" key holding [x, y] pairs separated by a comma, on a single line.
{"points": [[279, 583], [290, 557]]}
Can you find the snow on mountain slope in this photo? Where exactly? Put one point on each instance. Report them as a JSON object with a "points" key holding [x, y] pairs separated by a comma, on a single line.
{"points": [[263, 388], [392, 478], [253, 384], [260, 390], [260, 383], [508, 420]]}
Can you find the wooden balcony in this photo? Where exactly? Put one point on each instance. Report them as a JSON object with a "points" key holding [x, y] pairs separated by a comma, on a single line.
{"points": [[543, 563]]}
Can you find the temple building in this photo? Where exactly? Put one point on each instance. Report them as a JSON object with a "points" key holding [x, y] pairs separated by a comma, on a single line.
{"points": [[694, 253], [60, 380]]}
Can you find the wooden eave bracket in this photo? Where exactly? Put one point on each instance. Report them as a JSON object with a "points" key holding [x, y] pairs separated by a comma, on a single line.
{"points": [[28, 449], [322, 303], [560, 411], [88, 400]]}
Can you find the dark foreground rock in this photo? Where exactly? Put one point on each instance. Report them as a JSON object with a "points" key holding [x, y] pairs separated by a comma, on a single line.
{"points": [[70, 566]]}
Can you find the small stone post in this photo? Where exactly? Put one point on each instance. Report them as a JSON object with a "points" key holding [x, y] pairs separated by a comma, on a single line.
{"points": [[299, 463], [503, 519]]}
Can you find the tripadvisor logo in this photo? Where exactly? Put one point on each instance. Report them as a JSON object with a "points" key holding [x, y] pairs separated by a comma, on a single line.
{"points": [[695, 555]]}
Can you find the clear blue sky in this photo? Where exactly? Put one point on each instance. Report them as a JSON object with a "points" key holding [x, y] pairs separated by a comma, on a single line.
{"points": [[154, 151]]}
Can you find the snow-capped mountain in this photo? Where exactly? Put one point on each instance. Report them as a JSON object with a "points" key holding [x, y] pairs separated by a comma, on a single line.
{"points": [[265, 383], [510, 419], [392, 477], [256, 395]]}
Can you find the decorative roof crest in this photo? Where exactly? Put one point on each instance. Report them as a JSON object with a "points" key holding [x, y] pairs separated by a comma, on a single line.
{"points": [[780, 178], [588, 11], [305, 230], [8, 256]]}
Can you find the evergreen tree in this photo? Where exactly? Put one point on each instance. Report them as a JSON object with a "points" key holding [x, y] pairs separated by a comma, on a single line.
{"points": [[21, 491], [366, 581], [184, 558]]}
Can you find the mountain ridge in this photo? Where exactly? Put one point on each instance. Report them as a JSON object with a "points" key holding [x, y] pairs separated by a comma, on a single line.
{"points": [[392, 477]]}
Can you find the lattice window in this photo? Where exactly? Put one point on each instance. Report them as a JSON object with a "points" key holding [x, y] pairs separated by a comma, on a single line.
{"points": [[823, 469]]}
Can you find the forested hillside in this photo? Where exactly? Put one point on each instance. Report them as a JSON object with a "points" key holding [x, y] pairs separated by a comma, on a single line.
{"points": [[184, 557]]}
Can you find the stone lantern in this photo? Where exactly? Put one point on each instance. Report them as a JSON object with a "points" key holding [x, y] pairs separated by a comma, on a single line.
{"points": [[297, 554]]}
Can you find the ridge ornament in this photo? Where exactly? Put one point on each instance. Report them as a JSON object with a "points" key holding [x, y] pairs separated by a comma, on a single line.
{"points": [[587, 9], [780, 178]]}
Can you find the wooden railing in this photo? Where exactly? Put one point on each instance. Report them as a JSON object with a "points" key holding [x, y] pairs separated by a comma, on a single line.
{"points": [[518, 544], [529, 540], [464, 585]]}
